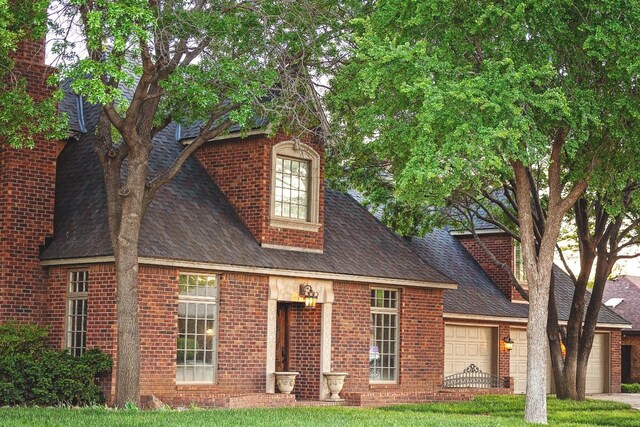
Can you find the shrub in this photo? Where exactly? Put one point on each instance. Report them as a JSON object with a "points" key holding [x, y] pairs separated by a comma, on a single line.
{"points": [[33, 374], [631, 388]]}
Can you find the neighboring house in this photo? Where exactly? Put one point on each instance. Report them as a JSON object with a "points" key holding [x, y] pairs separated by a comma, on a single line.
{"points": [[226, 250], [623, 296]]}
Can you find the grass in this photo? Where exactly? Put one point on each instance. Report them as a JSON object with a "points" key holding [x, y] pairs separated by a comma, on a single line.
{"points": [[484, 411]]}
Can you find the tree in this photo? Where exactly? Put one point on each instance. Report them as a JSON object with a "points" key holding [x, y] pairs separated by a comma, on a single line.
{"points": [[214, 63], [22, 117], [604, 225], [444, 98]]}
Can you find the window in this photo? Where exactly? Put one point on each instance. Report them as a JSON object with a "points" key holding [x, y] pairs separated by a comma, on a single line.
{"points": [[383, 350], [295, 187], [291, 199], [518, 262], [77, 296], [197, 329]]}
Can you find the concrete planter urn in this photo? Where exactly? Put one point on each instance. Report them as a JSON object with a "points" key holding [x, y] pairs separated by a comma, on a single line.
{"points": [[335, 382], [286, 381]]}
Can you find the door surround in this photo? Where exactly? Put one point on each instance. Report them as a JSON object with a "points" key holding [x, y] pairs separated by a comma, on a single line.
{"points": [[286, 289]]}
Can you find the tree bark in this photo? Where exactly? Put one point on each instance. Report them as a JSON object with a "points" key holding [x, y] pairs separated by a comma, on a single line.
{"points": [[132, 196], [537, 344]]}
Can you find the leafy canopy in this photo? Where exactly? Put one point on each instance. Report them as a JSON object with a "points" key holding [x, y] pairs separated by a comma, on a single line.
{"points": [[21, 116], [442, 95], [219, 54]]}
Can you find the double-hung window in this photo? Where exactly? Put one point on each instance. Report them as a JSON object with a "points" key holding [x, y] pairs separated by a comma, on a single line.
{"points": [[77, 298], [197, 329], [518, 262], [291, 199], [383, 349]]}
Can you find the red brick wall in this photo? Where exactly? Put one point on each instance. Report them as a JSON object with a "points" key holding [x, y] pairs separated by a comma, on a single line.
{"points": [[30, 51], [304, 349], [421, 338], [504, 359], [101, 308], [615, 361], [634, 342], [242, 170], [27, 188], [242, 329], [350, 330], [242, 344], [501, 246]]}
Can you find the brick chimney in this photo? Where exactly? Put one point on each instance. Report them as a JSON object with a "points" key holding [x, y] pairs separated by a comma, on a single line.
{"points": [[27, 191], [501, 246], [249, 169]]}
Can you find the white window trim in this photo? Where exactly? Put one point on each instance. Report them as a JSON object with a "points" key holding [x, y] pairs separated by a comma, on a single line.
{"points": [[395, 311], [298, 151], [201, 299], [74, 296]]}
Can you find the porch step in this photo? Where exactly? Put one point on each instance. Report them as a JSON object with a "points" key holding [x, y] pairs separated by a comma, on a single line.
{"points": [[256, 400], [320, 403], [390, 397]]}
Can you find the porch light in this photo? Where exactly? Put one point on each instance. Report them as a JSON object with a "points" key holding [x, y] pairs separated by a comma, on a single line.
{"points": [[309, 296], [508, 343]]}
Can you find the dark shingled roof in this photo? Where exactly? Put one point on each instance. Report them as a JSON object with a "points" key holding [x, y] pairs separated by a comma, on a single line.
{"points": [[627, 288], [476, 293], [191, 220]]}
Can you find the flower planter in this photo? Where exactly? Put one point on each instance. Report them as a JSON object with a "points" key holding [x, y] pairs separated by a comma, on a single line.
{"points": [[285, 381], [335, 382]]}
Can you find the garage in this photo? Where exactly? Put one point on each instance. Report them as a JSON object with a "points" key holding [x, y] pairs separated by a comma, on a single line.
{"points": [[597, 369], [518, 360], [465, 345], [598, 366]]}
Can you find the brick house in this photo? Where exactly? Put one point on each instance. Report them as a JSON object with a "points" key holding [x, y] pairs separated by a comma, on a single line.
{"points": [[226, 251], [623, 296], [485, 309]]}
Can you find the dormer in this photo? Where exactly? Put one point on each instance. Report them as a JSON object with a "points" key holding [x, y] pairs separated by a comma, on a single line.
{"points": [[506, 250], [275, 184]]}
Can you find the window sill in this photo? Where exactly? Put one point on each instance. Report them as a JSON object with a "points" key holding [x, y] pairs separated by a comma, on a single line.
{"points": [[194, 385], [294, 224]]}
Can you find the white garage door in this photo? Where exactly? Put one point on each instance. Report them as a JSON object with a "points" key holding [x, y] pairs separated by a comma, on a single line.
{"points": [[598, 366], [597, 369], [518, 360], [464, 345]]}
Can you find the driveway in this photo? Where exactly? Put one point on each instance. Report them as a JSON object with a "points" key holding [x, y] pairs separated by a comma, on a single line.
{"points": [[632, 399]]}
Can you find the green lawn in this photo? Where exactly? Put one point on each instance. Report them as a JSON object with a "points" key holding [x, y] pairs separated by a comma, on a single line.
{"points": [[484, 411]]}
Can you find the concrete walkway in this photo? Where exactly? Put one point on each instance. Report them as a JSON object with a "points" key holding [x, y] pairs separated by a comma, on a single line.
{"points": [[632, 399]]}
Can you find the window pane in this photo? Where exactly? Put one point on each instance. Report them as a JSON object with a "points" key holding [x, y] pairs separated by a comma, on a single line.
{"points": [[77, 312], [290, 194], [383, 348], [196, 346]]}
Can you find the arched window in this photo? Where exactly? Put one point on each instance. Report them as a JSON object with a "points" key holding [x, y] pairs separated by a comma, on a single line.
{"points": [[295, 186]]}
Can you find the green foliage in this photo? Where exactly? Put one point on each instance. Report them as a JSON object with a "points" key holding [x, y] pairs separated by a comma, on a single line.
{"points": [[21, 116], [244, 54], [442, 96], [33, 374], [630, 388], [483, 411]]}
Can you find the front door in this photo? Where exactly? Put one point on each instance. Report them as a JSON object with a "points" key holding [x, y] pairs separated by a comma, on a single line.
{"points": [[282, 338]]}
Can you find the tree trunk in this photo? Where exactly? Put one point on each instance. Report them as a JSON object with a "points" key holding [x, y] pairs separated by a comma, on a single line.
{"points": [[126, 259], [128, 358], [604, 264]]}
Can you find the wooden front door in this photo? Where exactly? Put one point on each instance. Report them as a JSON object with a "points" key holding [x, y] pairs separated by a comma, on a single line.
{"points": [[282, 338]]}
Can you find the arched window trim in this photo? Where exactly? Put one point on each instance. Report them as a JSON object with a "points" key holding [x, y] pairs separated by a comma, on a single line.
{"points": [[298, 151]]}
